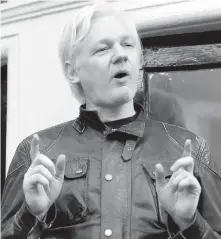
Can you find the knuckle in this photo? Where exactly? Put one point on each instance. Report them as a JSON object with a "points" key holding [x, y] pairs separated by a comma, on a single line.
{"points": [[28, 172], [25, 177], [185, 159], [191, 160], [40, 157], [38, 175], [37, 159], [35, 169], [190, 181], [40, 168], [174, 183], [46, 160], [180, 170], [193, 178], [187, 174], [48, 175]]}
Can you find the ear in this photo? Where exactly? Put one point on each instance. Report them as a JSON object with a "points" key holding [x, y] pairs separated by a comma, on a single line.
{"points": [[71, 73]]}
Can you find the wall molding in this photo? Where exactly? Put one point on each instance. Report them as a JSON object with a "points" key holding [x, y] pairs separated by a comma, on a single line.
{"points": [[178, 18], [28, 10], [153, 18]]}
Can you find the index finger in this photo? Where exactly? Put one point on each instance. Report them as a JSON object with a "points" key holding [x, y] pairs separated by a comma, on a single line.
{"points": [[187, 149], [34, 150], [186, 161]]}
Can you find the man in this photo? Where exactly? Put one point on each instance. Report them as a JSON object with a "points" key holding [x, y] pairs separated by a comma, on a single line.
{"points": [[112, 172]]}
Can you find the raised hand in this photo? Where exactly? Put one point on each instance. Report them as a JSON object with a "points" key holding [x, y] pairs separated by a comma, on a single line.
{"points": [[180, 195], [43, 180]]}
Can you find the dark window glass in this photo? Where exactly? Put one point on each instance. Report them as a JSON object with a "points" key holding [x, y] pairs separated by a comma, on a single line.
{"points": [[191, 99], [3, 122]]}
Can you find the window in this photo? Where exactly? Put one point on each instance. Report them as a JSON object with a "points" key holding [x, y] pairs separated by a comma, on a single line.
{"points": [[3, 120], [183, 84]]}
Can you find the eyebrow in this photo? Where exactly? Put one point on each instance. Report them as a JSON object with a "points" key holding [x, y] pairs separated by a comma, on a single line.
{"points": [[107, 40]]}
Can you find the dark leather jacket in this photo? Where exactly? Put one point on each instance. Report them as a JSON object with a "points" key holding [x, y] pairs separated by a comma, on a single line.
{"points": [[109, 182]]}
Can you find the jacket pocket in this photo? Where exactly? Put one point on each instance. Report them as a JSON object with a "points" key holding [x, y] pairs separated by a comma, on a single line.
{"points": [[72, 201], [150, 169], [76, 168]]}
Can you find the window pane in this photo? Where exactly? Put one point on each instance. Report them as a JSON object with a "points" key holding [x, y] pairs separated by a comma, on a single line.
{"points": [[191, 99]]}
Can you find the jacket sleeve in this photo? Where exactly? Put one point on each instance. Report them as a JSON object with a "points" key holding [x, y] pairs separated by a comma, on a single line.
{"points": [[207, 221], [16, 219]]}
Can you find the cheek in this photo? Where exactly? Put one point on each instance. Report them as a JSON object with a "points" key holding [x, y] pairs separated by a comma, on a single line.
{"points": [[97, 71], [92, 81]]}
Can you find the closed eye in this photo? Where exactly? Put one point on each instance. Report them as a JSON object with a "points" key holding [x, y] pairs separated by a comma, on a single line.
{"points": [[127, 44], [101, 49]]}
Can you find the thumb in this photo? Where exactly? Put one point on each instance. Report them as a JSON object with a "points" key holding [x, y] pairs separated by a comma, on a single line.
{"points": [[160, 176], [187, 149], [60, 166], [34, 150]]}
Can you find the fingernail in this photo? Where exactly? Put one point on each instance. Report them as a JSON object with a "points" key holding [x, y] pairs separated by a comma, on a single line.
{"points": [[35, 136], [188, 141], [63, 156]]}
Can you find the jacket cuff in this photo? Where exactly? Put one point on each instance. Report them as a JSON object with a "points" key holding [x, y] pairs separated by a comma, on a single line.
{"points": [[25, 220], [195, 230], [29, 223]]}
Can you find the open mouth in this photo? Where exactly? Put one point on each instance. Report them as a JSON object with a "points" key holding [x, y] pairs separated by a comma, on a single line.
{"points": [[121, 75]]}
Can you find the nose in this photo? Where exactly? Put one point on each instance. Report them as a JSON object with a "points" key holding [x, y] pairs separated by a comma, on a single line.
{"points": [[119, 55]]}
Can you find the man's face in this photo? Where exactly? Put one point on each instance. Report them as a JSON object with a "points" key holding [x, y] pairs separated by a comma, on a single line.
{"points": [[108, 63]]}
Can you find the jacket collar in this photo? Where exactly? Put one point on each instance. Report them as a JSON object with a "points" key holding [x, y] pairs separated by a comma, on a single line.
{"points": [[89, 117]]}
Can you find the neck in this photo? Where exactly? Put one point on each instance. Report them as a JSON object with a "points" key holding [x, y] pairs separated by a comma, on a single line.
{"points": [[107, 114]]}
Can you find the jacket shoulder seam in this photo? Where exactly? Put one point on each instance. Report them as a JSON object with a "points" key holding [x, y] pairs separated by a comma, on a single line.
{"points": [[16, 169], [195, 151], [50, 145], [209, 168], [22, 164], [171, 137], [27, 159]]}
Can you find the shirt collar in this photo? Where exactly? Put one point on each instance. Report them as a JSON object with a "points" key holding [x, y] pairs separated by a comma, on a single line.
{"points": [[91, 117]]}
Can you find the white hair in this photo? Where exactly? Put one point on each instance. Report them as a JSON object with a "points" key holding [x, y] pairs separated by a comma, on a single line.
{"points": [[76, 30]]}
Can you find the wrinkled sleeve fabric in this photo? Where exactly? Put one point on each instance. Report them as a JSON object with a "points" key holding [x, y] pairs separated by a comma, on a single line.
{"points": [[16, 219], [207, 220]]}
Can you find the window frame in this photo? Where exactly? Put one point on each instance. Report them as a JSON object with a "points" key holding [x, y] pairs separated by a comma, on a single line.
{"points": [[181, 52]]}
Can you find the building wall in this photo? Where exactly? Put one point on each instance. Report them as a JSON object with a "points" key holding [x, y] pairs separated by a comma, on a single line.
{"points": [[38, 95]]}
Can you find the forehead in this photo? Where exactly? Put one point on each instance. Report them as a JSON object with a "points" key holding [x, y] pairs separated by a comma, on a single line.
{"points": [[110, 28]]}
